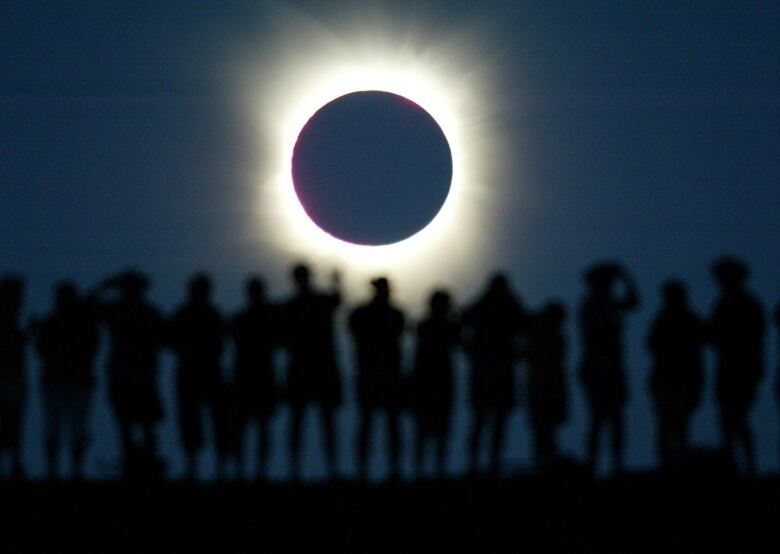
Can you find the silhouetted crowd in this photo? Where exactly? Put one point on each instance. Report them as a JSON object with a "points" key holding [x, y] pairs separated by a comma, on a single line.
{"points": [[495, 332]]}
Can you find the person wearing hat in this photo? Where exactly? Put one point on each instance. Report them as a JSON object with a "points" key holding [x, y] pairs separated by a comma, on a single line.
{"points": [[601, 368], [136, 332], [13, 386], [313, 376], [492, 328], [737, 332], [376, 328]]}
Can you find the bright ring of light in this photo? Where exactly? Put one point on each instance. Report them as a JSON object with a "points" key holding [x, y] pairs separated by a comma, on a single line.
{"points": [[321, 68], [383, 143]]}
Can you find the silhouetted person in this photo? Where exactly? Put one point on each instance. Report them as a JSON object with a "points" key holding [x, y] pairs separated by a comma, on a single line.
{"points": [[777, 323], [376, 329], [67, 342], [545, 350], [737, 331], [437, 337], [312, 372], [13, 389], [137, 333], [676, 339], [601, 370], [492, 327], [197, 335], [255, 333]]}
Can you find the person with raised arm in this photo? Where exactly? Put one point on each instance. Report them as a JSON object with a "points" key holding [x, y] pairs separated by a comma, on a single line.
{"points": [[601, 368]]}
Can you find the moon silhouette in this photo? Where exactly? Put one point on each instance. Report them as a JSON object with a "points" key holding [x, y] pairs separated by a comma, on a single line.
{"points": [[371, 168]]}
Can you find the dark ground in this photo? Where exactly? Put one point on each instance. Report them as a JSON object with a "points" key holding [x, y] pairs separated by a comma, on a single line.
{"points": [[637, 513]]}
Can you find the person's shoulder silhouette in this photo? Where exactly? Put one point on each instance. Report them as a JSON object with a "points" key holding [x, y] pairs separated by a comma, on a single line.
{"points": [[737, 333], [437, 334], [308, 317], [737, 321], [493, 321], [377, 326], [677, 334], [737, 327], [136, 327], [197, 329], [67, 338], [777, 324], [13, 336], [676, 340], [601, 315], [255, 328]]}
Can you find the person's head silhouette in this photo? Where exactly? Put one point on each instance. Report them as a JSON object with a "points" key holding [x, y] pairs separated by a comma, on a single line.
{"points": [[11, 293], [66, 296], [600, 277], [554, 313], [730, 273], [381, 289], [498, 286], [255, 290], [132, 285], [301, 276], [674, 293], [440, 302], [200, 288]]}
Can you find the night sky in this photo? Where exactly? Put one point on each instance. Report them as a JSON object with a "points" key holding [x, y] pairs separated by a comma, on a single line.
{"points": [[647, 132]]}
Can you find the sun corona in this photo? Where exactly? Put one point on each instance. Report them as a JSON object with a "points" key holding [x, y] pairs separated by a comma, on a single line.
{"points": [[317, 64]]}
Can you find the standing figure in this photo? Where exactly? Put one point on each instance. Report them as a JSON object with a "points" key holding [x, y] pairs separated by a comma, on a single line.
{"points": [[254, 332], [376, 329], [437, 337], [13, 386], [545, 350], [67, 342], [197, 335], [312, 371], [737, 331], [676, 339], [492, 327], [601, 369], [137, 333], [777, 323]]}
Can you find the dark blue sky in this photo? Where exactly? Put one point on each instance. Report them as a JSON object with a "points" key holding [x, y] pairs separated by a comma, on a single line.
{"points": [[643, 131]]}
